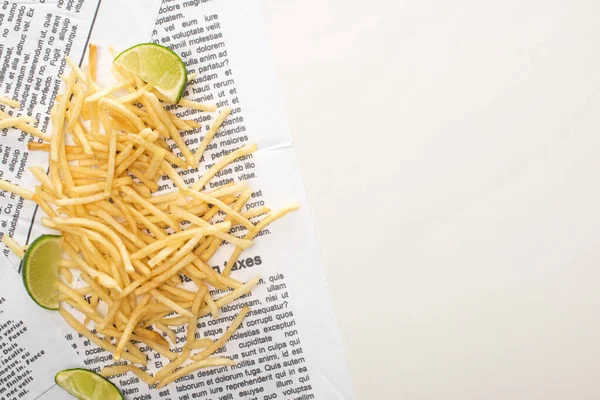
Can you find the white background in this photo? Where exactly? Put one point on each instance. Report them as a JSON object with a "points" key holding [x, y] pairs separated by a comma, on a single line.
{"points": [[450, 150]]}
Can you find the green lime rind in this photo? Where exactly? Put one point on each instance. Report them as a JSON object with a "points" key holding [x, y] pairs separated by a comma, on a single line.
{"points": [[40, 271], [87, 385], [157, 65]]}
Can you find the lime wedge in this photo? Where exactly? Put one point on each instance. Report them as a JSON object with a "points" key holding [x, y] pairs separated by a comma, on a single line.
{"points": [[87, 385], [157, 65], [40, 270]]}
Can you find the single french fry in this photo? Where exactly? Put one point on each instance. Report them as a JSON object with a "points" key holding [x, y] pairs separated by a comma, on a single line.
{"points": [[12, 122], [13, 246], [197, 106], [157, 160], [208, 137], [228, 159], [223, 339], [231, 296], [92, 60], [106, 92], [19, 191], [82, 200], [112, 154], [161, 298], [199, 344], [4, 99]]}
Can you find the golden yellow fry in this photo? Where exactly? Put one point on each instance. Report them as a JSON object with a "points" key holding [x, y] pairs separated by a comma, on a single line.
{"points": [[81, 137], [110, 315], [82, 200], [157, 160], [13, 246], [19, 191], [140, 175], [66, 290], [223, 339], [259, 227], [168, 331], [211, 305], [74, 113], [197, 106], [162, 255], [92, 60], [58, 118], [153, 228], [87, 172], [32, 130], [180, 124], [112, 154], [177, 180], [76, 70], [178, 212], [169, 368], [208, 137], [145, 134], [12, 122], [105, 92], [231, 190], [161, 298], [9, 102], [99, 342], [199, 344], [179, 292], [101, 277], [66, 273], [223, 162], [231, 296], [96, 187], [183, 251]]}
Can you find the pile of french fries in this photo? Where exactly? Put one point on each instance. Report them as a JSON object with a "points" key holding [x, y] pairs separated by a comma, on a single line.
{"points": [[107, 153]]}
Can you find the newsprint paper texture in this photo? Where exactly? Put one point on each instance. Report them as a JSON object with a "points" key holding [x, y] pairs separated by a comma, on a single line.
{"points": [[289, 346]]}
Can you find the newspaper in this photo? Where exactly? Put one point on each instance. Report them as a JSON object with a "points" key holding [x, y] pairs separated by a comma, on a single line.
{"points": [[289, 346], [27, 358]]}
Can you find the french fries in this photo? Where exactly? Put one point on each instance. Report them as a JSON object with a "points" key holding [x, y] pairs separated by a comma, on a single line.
{"points": [[128, 241]]}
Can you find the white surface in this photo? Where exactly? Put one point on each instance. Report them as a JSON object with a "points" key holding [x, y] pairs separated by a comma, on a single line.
{"points": [[450, 153]]}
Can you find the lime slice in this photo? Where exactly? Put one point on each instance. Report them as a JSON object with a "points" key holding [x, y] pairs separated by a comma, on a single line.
{"points": [[87, 385], [156, 65], [40, 270]]}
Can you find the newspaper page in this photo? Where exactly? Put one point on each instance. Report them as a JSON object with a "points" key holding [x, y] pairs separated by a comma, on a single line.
{"points": [[289, 345], [27, 358]]}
